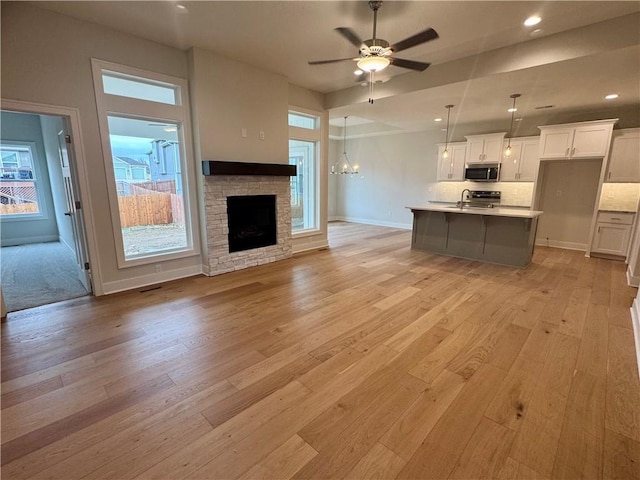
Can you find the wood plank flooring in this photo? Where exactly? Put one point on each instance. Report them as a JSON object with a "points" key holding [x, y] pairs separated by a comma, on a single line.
{"points": [[365, 360]]}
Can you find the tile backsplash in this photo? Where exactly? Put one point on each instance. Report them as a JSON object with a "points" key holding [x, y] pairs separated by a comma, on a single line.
{"points": [[620, 196], [513, 193]]}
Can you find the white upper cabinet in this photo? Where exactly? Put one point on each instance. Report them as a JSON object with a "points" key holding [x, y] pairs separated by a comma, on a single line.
{"points": [[522, 165], [484, 148], [451, 169], [624, 159], [576, 140]]}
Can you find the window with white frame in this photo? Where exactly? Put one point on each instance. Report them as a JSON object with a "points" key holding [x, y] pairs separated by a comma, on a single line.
{"points": [[143, 122], [304, 148], [20, 194]]}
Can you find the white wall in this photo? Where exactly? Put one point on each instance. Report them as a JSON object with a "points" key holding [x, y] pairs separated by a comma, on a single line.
{"points": [[50, 128], [26, 128]]}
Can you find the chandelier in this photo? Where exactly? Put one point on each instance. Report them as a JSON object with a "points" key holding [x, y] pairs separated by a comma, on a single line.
{"points": [[343, 166]]}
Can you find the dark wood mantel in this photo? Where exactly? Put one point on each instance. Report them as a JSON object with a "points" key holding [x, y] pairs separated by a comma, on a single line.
{"points": [[218, 167]]}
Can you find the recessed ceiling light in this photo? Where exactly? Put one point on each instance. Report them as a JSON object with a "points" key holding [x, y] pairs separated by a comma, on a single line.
{"points": [[536, 32], [358, 72], [533, 20], [511, 110], [517, 119], [181, 8], [437, 119], [611, 96]]}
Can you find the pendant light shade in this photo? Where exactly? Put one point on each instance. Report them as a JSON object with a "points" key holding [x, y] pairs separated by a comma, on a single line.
{"points": [[445, 154], [343, 166], [513, 110]]}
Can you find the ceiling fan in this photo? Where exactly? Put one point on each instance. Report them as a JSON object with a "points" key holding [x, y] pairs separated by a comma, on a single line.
{"points": [[376, 54]]}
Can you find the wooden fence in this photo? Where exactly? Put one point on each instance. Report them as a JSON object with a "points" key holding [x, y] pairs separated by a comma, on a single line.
{"points": [[17, 208], [154, 209]]}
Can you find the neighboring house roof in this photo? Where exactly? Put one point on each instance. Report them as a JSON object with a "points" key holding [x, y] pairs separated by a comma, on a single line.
{"points": [[130, 161]]}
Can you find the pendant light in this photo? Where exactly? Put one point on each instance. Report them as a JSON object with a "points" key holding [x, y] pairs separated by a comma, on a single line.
{"points": [[343, 166], [513, 110], [445, 154]]}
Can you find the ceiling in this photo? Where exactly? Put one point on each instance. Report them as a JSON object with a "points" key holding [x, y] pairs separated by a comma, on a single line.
{"points": [[282, 36]]}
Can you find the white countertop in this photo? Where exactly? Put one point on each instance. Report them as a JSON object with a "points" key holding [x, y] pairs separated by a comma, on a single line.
{"points": [[495, 212]]}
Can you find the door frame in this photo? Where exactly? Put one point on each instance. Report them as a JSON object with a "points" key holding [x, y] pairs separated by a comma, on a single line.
{"points": [[72, 115]]}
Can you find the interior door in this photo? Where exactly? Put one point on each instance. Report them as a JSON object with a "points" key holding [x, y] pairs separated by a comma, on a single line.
{"points": [[73, 207]]}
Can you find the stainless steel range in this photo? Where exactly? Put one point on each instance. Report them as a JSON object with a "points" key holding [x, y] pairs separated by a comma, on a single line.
{"points": [[481, 199]]}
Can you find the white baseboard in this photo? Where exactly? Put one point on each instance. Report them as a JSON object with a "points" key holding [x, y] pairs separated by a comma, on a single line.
{"points": [[368, 221], [63, 242], [146, 280], [305, 247], [635, 321], [560, 244], [10, 242], [632, 280]]}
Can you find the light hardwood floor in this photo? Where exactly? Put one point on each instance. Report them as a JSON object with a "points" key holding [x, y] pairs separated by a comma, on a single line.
{"points": [[367, 360]]}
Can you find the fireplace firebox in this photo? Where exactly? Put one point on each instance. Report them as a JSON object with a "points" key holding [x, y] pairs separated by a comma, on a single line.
{"points": [[252, 222]]}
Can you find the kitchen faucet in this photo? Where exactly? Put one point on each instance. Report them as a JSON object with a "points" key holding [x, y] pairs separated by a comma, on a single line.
{"points": [[462, 197]]}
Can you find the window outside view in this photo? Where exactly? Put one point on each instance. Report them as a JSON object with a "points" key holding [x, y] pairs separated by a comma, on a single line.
{"points": [[148, 175], [304, 138], [18, 194], [302, 155]]}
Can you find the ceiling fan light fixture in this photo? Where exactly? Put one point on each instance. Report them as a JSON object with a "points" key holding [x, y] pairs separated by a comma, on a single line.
{"points": [[532, 20], [373, 64]]}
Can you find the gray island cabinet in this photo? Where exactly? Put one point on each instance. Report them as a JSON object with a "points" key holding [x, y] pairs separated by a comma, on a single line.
{"points": [[505, 236]]}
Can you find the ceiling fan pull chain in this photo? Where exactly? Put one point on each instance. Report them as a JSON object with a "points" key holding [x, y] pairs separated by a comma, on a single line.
{"points": [[371, 86]]}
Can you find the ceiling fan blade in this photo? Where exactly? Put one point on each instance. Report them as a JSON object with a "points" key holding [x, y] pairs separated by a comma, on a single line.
{"points": [[350, 35], [336, 60], [410, 64], [422, 37]]}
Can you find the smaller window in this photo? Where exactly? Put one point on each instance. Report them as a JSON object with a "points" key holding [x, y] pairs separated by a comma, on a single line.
{"points": [[18, 188], [141, 88], [303, 121]]}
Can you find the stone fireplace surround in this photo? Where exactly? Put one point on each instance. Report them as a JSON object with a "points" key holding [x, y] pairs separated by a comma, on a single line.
{"points": [[225, 179]]}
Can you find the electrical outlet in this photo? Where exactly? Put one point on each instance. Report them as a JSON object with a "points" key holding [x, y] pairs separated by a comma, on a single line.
{"points": [[558, 193], [244, 133], [261, 135], [158, 268]]}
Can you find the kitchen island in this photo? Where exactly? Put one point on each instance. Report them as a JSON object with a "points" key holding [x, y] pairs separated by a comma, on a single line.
{"points": [[505, 236]]}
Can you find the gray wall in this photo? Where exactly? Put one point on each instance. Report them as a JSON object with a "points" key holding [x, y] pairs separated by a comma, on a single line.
{"points": [[26, 128], [395, 171], [568, 198], [52, 65]]}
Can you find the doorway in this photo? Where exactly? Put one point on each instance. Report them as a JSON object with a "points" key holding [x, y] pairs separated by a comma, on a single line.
{"points": [[44, 255], [567, 196]]}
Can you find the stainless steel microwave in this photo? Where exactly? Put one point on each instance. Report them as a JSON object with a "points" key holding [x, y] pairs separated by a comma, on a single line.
{"points": [[482, 172]]}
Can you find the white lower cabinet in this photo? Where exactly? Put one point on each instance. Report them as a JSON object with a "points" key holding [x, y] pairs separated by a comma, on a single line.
{"points": [[613, 230]]}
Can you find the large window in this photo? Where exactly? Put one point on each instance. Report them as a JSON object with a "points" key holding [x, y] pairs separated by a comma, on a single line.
{"points": [[143, 117], [304, 141], [19, 194]]}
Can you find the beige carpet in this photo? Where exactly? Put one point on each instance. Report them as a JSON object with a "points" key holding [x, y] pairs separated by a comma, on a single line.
{"points": [[38, 274]]}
